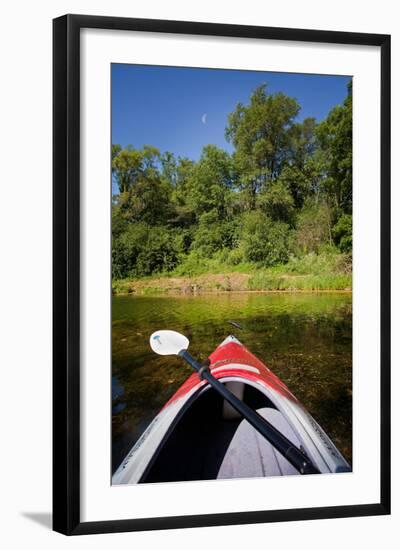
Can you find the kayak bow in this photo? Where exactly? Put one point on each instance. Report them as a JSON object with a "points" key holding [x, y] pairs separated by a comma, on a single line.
{"points": [[199, 435]]}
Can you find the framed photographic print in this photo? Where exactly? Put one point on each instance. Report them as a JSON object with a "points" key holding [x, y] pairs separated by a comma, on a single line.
{"points": [[221, 274]]}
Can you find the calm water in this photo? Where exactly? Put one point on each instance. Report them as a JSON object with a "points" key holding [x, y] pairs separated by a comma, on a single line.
{"points": [[304, 338]]}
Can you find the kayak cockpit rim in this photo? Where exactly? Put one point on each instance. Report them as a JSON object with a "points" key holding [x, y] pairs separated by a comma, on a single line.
{"points": [[196, 430]]}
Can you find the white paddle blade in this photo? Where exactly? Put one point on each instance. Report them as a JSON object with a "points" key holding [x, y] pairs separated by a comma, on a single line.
{"points": [[168, 342]]}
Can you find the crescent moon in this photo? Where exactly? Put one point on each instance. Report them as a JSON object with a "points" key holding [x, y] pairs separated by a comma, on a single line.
{"points": [[204, 118]]}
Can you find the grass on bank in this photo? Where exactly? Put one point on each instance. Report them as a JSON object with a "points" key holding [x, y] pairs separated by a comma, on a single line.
{"points": [[324, 271], [268, 281]]}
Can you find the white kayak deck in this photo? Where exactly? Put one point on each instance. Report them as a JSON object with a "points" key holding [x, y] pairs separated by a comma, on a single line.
{"points": [[250, 455]]}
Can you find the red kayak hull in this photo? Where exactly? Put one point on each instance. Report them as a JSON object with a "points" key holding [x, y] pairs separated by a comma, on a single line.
{"points": [[225, 361]]}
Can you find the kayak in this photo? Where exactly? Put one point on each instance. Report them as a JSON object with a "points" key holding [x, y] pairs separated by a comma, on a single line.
{"points": [[199, 436]]}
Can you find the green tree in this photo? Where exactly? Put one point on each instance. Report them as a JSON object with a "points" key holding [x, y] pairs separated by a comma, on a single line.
{"points": [[304, 141], [313, 228], [264, 241], [302, 174], [213, 234], [142, 250], [343, 233], [169, 168], [277, 202], [129, 164], [262, 134], [335, 141], [144, 194], [115, 150], [210, 183], [184, 214]]}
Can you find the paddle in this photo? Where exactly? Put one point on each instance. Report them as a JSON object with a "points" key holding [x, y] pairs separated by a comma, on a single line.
{"points": [[169, 342]]}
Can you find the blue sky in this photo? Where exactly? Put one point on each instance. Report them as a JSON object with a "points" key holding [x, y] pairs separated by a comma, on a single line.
{"points": [[182, 109]]}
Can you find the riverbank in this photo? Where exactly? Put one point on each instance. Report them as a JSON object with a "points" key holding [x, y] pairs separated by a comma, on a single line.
{"points": [[313, 272], [232, 282]]}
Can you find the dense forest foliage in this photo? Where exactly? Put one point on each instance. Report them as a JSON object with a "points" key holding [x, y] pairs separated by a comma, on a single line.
{"points": [[284, 193]]}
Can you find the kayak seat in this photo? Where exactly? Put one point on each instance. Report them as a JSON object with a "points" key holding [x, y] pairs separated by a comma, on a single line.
{"points": [[249, 454]]}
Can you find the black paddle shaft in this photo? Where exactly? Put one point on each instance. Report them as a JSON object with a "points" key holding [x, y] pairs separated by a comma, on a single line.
{"points": [[281, 443]]}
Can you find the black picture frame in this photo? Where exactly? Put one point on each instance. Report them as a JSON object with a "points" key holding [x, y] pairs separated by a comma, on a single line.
{"points": [[66, 273]]}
